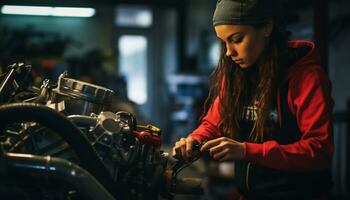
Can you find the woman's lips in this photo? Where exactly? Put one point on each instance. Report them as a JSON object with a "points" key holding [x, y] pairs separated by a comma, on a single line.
{"points": [[238, 61]]}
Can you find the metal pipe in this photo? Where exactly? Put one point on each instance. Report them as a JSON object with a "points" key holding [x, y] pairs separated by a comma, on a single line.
{"points": [[82, 120], [5, 83], [46, 168]]}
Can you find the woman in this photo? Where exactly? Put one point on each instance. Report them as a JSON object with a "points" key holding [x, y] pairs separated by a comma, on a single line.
{"points": [[269, 107]]}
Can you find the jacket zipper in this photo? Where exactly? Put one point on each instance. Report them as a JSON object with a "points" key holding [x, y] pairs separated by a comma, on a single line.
{"points": [[247, 177]]}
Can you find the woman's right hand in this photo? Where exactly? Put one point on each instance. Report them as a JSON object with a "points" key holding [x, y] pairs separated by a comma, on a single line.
{"points": [[183, 149]]}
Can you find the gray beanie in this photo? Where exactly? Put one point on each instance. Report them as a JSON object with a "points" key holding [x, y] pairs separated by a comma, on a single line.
{"points": [[244, 11]]}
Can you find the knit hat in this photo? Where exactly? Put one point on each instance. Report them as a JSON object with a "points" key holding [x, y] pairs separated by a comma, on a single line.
{"points": [[248, 12]]}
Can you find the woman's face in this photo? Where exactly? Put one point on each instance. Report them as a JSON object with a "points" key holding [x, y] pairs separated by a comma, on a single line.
{"points": [[244, 43]]}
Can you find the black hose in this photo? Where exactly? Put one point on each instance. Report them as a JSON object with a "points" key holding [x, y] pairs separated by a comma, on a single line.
{"points": [[46, 168], [173, 185], [30, 112]]}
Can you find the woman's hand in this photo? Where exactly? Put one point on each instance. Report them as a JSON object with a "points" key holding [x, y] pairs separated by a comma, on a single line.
{"points": [[224, 149], [183, 148]]}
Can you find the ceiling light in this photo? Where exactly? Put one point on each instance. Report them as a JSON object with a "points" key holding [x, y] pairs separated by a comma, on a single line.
{"points": [[73, 12], [48, 11]]}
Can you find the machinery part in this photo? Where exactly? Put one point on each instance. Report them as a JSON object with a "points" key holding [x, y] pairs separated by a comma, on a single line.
{"points": [[181, 164], [82, 120], [194, 186], [123, 156], [109, 123], [15, 79], [19, 112], [188, 185], [146, 137], [149, 135], [46, 168], [128, 118], [81, 97], [43, 93]]}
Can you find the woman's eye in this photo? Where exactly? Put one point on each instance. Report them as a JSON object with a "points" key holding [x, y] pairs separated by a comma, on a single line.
{"points": [[237, 40]]}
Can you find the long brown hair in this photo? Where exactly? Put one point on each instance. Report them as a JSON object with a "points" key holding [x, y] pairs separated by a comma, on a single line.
{"points": [[229, 83]]}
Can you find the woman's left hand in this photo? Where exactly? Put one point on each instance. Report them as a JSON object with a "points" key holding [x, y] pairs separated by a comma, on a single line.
{"points": [[224, 149]]}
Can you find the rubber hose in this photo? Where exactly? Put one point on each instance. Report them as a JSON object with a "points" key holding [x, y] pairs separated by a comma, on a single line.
{"points": [[48, 168], [30, 112]]}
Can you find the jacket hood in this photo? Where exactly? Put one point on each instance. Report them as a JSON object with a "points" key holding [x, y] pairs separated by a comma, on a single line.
{"points": [[304, 57]]}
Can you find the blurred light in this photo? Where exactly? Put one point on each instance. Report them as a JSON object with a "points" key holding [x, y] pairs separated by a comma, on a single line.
{"points": [[214, 54], [144, 18], [73, 12], [133, 66], [48, 11], [132, 45], [26, 10], [133, 16]]}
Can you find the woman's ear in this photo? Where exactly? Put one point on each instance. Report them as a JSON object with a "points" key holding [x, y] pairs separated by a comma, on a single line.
{"points": [[268, 28]]}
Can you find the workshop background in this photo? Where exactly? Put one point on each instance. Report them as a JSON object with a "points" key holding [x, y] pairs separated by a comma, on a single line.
{"points": [[157, 56]]}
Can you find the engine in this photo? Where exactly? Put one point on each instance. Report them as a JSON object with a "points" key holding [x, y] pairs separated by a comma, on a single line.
{"points": [[66, 140]]}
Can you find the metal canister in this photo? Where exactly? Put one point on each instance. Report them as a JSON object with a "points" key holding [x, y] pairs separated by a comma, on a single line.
{"points": [[81, 98]]}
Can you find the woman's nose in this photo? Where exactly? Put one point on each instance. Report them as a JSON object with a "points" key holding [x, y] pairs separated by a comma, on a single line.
{"points": [[230, 51]]}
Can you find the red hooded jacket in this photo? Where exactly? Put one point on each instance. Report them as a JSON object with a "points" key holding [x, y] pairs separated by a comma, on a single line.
{"points": [[300, 162], [310, 102]]}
